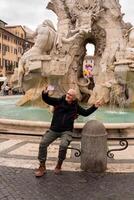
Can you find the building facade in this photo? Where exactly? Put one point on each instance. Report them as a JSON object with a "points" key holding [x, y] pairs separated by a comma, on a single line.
{"points": [[13, 44]]}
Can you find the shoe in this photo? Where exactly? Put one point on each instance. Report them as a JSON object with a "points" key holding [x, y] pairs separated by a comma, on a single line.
{"points": [[57, 170], [40, 171]]}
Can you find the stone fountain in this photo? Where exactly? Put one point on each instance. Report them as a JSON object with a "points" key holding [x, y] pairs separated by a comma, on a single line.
{"points": [[57, 55]]}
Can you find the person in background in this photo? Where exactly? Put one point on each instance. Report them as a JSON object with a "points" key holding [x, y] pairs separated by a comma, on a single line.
{"points": [[66, 110], [6, 89]]}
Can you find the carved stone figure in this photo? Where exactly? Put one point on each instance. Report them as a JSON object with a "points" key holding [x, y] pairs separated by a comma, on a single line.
{"points": [[84, 85], [124, 70], [57, 56], [45, 35], [45, 38]]}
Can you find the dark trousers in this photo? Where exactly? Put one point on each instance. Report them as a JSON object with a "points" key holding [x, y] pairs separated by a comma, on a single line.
{"points": [[48, 138]]}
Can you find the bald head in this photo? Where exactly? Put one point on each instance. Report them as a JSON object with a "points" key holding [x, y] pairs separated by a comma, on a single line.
{"points": [[71, 95], [72, 92]]}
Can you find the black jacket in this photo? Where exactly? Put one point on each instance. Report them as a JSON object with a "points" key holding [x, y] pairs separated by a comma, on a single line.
{"points": [[64, 113]]}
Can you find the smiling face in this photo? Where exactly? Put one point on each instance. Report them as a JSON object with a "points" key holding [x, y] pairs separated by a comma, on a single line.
{"points": [[70, 96]]}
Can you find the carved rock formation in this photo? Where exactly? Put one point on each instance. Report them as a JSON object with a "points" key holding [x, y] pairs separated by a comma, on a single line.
{"points": [[80, 22]]}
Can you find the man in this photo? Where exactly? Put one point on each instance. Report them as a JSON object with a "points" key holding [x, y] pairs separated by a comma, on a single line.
{"points": [[66, 110]]}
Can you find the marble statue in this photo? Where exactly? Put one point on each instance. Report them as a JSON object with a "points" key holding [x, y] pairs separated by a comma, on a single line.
{"points": [[124, 69], [57, 55], [46, 39]]}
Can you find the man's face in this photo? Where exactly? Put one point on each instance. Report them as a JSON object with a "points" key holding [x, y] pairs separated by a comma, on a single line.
{"points": [[70, 96]]}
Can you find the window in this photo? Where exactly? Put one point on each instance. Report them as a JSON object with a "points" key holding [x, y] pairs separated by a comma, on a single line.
{"points": [[20, 50], [4, 49], [6, 63], [15, 41], [8, 48], [15, 51], [5, 37], [11, 49], [3, 62]]}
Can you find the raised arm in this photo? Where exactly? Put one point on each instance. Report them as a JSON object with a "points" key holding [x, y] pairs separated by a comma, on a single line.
{"points": [[86, 112], [50, 100]]}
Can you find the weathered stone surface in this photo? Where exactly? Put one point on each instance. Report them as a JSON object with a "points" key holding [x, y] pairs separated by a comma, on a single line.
{"points": [[81, 22], [94, 147]]}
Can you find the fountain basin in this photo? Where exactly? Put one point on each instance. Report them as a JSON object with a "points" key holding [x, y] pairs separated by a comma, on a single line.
{"points": [[9, 110], [34, 121]]}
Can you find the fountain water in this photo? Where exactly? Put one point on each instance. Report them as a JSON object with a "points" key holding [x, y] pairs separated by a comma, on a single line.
{"points": [[60, 62], [9, 110]]}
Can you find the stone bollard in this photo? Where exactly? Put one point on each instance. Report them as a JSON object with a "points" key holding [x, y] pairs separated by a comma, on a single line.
{"points": [[94, 147]]}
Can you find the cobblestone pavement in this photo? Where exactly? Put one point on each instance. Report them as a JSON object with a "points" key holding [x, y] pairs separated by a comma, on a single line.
{"points": [[18, 159]]}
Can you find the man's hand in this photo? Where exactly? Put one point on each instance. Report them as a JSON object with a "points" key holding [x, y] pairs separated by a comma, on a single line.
{"points": [[99, 103], [45, 89], [48, 88]]}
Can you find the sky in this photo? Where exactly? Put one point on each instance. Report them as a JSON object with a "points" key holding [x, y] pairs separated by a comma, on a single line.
{"points": [[32, 12]]}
